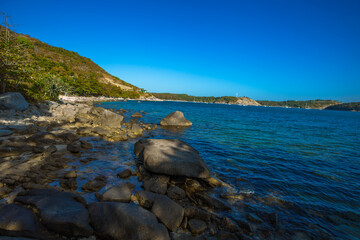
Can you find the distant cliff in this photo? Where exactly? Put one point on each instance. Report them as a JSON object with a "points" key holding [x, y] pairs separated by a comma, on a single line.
{"points": [[225, 99], [353, 106]]}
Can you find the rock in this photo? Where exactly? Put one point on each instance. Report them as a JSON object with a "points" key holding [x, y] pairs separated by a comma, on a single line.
{"points": [[68, 183], [95, 185], [74, 147], [197, 226], [125, 173], [113, 220], [120, 193], [16, 220], [135, 130], [86, 145], [253, 218], [156, 184], [228, 225], [70, 174], [212, 202], [194, 212], [51, 149], [5, 132], [136, 115], [175, 119], [68, 137], [60, 212], [168, 212], [13, 100], [176, 193], [111, 120], [38, 149], [171, 157], [145, 199]]}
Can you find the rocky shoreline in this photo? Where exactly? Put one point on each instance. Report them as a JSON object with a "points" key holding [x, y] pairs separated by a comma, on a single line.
{"points": [[174, 198]]}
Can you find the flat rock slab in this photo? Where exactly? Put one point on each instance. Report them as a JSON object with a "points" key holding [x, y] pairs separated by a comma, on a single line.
{"points": [[114, 220], [13, 100], [61, 212], [175, 119], [197, 226], [171, 157], [19, 221], [168, 212], [111, 119]]}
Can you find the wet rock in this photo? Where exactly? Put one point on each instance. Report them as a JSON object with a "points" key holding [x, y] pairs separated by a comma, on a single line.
{"points": [[175, 119], [43, 138], [111, 120], [253, 218], [5, 132], [156, 184], [13, 100], [197, 226], [171, 157], [184, 236], [245, 226], [176, 193], [38, 149], [125, 173], [228, 225], [168, 212], [145, 199], [85, 144], [136, 115], [205, 199], [51, 149], [70, 174], [112, 220], [68, 183], [69, 137], [74, 147], [120, 193], [195, 212], [16, 220], [95, 185], [61, 212], [135, 130]]}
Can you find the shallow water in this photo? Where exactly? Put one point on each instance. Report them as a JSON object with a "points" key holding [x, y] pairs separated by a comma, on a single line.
{"points": [[303, 164]]}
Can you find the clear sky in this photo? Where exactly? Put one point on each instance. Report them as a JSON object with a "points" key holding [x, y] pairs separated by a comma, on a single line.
{"points": [[266, 50]]}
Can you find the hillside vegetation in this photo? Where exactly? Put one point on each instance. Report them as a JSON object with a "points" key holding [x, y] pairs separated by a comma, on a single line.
{"points": [[314, 104], [189, 98], [353, 106], [42, 72]]}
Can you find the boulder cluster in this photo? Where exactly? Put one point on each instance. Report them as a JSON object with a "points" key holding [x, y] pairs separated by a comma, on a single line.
{"points": [[174, 200]]}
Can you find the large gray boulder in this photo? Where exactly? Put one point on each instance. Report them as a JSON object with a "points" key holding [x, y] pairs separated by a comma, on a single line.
{"points": [[61, 212], [121, 193], [171, 157], [13, 100], [175, 119], [114, 220], [111, 120]]}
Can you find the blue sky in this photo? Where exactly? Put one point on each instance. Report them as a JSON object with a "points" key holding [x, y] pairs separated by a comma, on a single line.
{"points": [[273, 50]]}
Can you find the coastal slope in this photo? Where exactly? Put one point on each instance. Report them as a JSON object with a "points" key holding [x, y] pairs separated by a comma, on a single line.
{"points": [[42, 72]]}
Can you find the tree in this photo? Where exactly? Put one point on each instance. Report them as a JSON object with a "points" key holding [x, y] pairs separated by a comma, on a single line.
{"points": [[12, 61]]}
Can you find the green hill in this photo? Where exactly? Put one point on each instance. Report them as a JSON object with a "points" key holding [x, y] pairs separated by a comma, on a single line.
{"points": [[314, 104], [353, 106], [42, 72]]}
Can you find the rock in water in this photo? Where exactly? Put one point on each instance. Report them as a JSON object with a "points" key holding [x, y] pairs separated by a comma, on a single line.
{"points": [[171, 157], [13, 100], [112, 220], [111, 120], [197, 226], [175, 119], [5, 132], [136, 115], [61, 212]]}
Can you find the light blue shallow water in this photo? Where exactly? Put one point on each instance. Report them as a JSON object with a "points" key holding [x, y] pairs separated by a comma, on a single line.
{"points": [[303, 164]]}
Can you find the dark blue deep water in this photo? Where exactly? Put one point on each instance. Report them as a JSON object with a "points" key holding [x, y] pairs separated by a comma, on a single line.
{"points": [[302, 164]]}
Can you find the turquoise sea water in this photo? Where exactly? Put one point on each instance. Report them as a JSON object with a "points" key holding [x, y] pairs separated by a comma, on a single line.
{"points": [[302, 164]]}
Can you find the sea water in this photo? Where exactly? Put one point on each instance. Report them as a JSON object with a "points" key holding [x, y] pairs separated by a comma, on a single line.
{"points": [[303, 164]]}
